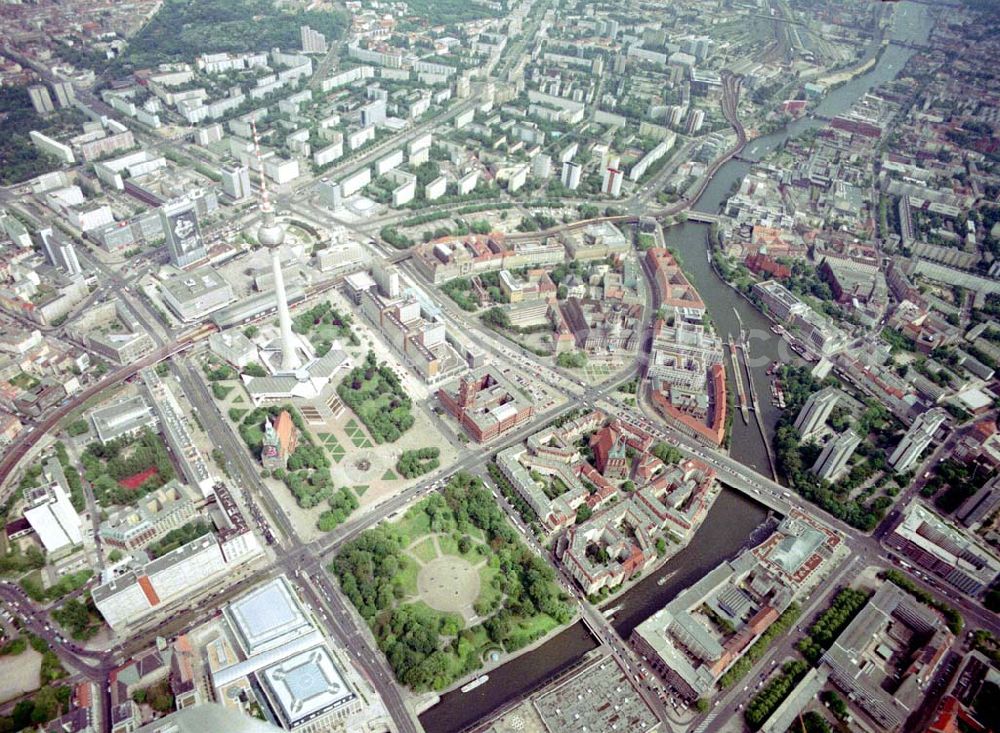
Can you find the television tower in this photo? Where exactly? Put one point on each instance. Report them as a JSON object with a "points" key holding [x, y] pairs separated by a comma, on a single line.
{"points": [[271, 234]]}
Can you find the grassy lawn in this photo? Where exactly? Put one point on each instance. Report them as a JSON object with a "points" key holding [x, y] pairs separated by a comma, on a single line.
{"points": [[24, 381], [333, 446], [425, 551], [487, 593], [470, 652], [221, 391], [415, 523], [597, 372], [389, 475], [530, 629], [360, 490], [449, 546], [357, 435], [407, 576], [34, 578]]}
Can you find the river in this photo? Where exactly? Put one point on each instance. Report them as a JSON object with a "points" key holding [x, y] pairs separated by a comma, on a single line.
{"points": [[912, 24], [729, 524], [734, 518]]}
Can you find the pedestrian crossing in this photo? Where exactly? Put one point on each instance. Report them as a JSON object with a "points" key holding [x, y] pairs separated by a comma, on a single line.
{"points": [[703, 726]]}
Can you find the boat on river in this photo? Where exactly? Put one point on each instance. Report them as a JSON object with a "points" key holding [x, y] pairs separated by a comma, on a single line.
{"points": [[480, 680]]}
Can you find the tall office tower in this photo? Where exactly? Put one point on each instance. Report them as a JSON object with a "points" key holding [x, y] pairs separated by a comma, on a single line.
{"points": [[271, 234], [571, 175], [60, 251], [815, 411], [180, 226], [611, 181], [236, 182], [835, 455], [40, 99], [916, 440], [312, 41], [65, 93]]}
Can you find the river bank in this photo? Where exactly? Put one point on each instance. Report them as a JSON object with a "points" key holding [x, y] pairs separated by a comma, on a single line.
{"points": [[734, 521]]}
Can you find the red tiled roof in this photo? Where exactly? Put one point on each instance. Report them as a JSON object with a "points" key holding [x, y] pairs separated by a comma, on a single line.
{"points": [[148, 590]]}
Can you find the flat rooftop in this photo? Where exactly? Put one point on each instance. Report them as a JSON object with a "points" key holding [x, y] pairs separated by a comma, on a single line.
{"points": [[305, 686], [598, 698], [268, 617]]}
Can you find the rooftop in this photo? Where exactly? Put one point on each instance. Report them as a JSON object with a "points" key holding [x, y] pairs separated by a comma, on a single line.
{"points": [[268, 617], [305, 686]]}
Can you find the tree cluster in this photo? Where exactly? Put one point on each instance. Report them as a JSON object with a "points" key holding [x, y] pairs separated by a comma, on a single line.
{"points": [[745, 663], [45, 705], [459, 290], [342, 503], [76, 617], [667, 453], [572, 360], [183, 29], [375, 394], [63, 587], [395, 238], [73, 480], [766, 701], [106, 465], [177, 537], [414, 463], [825, 629], [324, 314], [415, 639]]}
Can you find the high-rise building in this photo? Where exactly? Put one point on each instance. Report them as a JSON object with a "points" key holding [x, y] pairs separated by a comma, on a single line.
{"points": [[65, 93], [15, 229], [611, 181], [541, 166], [312, 41], [236, 182], [916, 440], [571, 175], [696, 118], [180, 226], [60, 251], [40, 99], [835, 455], [373, 113], [815, 412]]}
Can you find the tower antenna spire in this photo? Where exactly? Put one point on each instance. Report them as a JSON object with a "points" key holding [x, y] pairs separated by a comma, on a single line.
{"points": [[271, 234], [265, 198]]}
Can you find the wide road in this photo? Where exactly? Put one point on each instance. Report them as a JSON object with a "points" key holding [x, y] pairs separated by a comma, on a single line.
{"points": [[292, 556]]}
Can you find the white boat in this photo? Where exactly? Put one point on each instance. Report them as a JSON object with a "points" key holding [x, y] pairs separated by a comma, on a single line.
{"points": [[480, 680]]}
